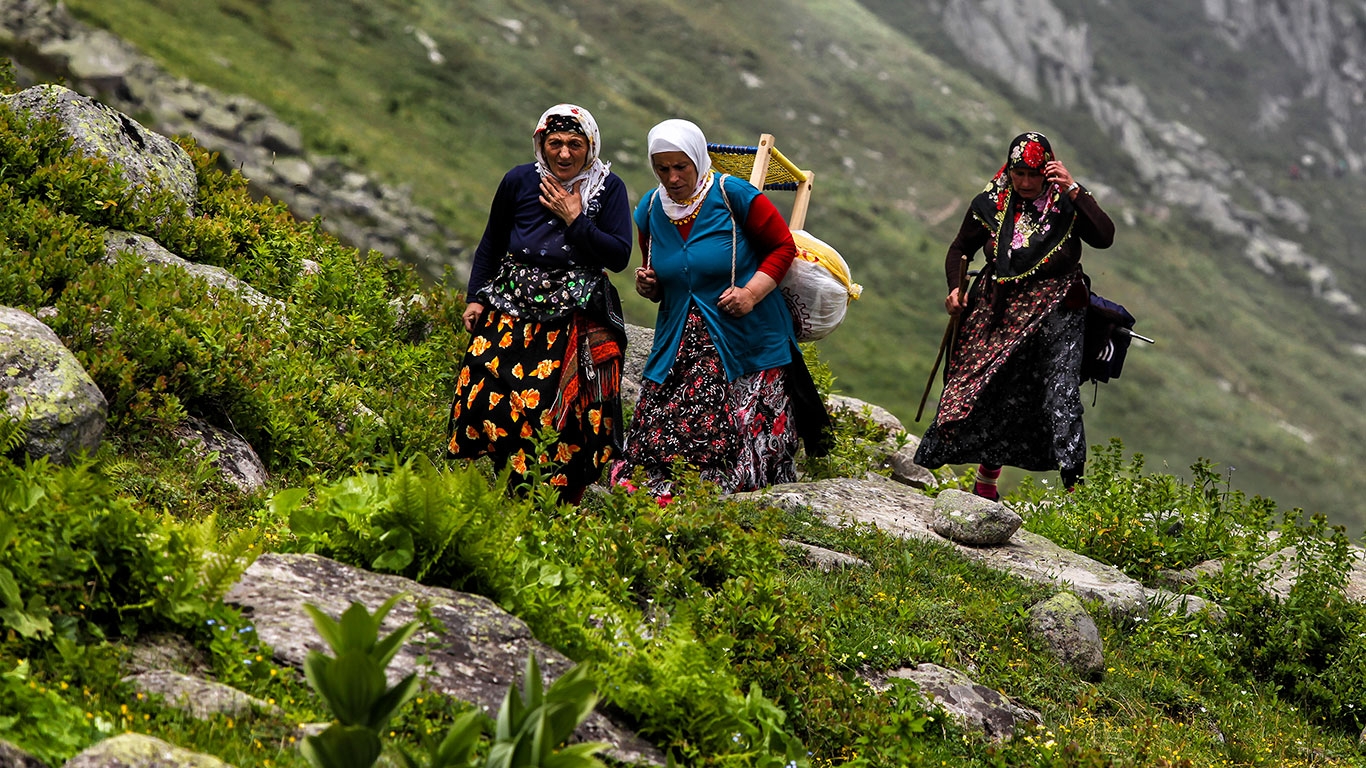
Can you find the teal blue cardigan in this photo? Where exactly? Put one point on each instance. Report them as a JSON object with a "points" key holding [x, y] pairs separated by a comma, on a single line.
{"points": [[696, 271]]}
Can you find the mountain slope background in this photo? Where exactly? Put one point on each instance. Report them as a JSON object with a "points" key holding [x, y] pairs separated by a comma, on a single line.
{"points": [[1185, 121]]}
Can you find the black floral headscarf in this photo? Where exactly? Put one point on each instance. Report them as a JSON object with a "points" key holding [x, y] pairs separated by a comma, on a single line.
{"points": [[1025, 234]]}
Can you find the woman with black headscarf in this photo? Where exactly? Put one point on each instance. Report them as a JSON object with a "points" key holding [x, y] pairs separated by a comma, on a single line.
{"points": [[1012, 387]]}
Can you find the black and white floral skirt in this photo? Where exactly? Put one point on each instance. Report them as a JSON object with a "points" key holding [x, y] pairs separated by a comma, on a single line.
{"points": [[1027, 413], [737, 434]]}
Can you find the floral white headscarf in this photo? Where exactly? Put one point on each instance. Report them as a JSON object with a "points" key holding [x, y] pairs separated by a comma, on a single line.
{"points": [[594, 171], [682, 136]]}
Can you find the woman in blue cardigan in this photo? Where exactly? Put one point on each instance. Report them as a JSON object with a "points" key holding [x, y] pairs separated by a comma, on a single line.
{"points": [[545, 323], [718, 383]]}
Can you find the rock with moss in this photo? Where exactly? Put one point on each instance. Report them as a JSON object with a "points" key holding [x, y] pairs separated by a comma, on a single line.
{"points": [[972, 520], [971, 704], [146, 160], [136, 750], [202, 699], [63, 411], [1070, 633]]}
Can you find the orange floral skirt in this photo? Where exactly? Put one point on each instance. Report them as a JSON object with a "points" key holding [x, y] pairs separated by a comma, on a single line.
{"points": [[506, 395]]}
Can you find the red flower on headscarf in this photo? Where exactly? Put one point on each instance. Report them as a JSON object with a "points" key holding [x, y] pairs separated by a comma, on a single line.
{"points": [[1033, 154]]}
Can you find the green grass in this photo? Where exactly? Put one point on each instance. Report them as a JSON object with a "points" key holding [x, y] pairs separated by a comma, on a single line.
{"points": [[695, 618]]}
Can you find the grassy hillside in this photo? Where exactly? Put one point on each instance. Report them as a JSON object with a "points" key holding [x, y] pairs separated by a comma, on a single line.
{"points": [[1247, 372], [700, 627]]}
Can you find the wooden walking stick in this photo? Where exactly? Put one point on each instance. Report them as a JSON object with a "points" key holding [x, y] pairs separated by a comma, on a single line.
{"points": [[950, 334]]}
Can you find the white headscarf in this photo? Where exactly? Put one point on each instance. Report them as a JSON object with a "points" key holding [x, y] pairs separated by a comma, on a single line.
{"points": [[594, 171], [682, 136]]}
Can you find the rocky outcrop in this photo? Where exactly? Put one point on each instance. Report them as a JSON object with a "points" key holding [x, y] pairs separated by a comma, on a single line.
{"points": [[272, 155], [151, 252], [470, 648], [1057, 64], [903, 511], [62, 410]]}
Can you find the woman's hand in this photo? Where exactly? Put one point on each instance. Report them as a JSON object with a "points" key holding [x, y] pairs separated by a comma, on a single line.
{"points": [[647, 284], [740, 300], [566, 205], [1057, 173], [473, 311], [956, 302]]}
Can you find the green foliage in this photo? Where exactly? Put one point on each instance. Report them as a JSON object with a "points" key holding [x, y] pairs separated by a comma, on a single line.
{"points": [[456, 749], [445, 527], [533, 724], [1306, 641], [353, 684], [324, 377], [36, 716], [81, 561], [1144, 523]]}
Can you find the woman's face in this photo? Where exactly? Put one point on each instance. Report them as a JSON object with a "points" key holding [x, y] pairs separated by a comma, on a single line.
{"points": [[1027, 182], [565, 152], [677, 173]]}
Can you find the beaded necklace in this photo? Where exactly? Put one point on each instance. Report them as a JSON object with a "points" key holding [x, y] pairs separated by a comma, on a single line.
{"points": [[686, 219]]}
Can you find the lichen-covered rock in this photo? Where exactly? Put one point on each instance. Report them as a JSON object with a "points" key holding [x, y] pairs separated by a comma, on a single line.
{"points": [[972, 704], [147, 160], [201, 698], [136, 750], [64, 411], [970, 519], [470, 648], [1070, 633]]}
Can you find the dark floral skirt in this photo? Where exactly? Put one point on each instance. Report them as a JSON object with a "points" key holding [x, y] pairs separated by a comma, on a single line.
{"points": [[737, 434], [1012, 396], [505, 395]]}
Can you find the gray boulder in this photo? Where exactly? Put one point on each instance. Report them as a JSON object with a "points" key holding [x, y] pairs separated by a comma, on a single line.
{"points": [[1070, 633], [201, 698], [970, 519], [974, 706], [234, 458], [471, 649], [147, 160], [135, 750], [14, 757], [65, 412], [638, 343]]}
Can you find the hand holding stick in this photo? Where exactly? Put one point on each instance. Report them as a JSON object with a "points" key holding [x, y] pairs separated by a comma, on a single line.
{"points": [[957, 300]]}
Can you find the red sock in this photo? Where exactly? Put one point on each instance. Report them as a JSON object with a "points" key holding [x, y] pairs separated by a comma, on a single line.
{"points": [[986, 482]]}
